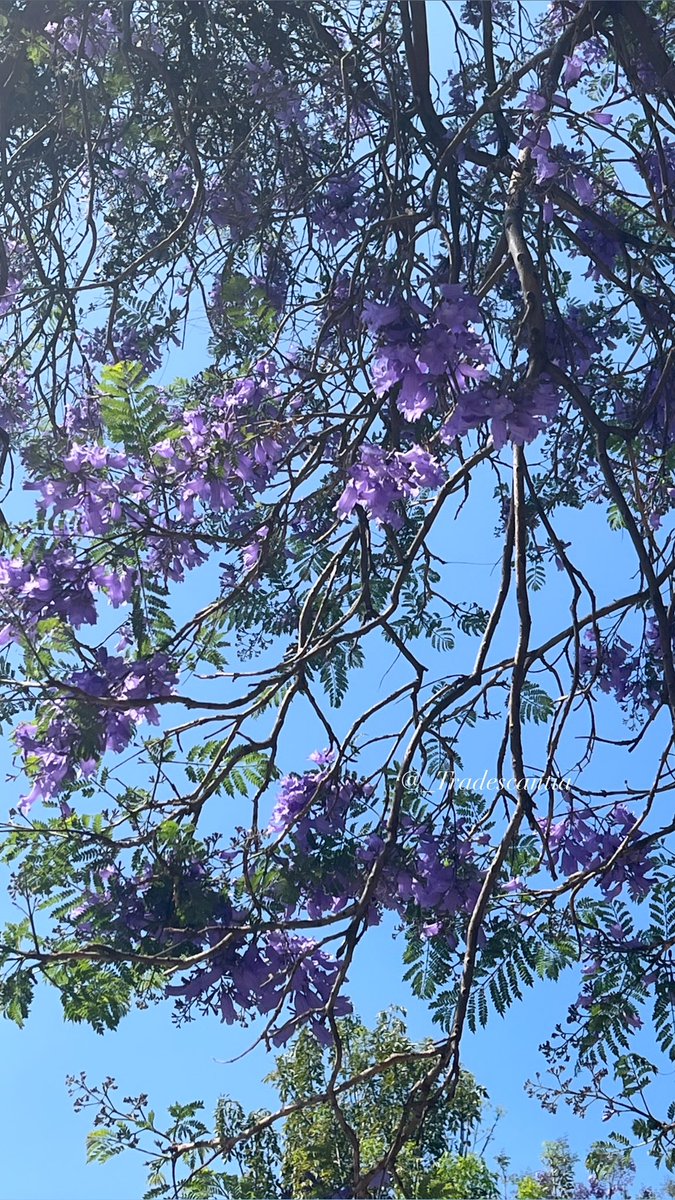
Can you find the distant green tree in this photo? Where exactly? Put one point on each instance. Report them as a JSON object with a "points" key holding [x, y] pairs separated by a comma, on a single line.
{"points": [[530, 1187], [318, 1141], [312, 1154], [559, 1163], [556, 1180], [610, 1167], [611, 1164], [461, 1177]]}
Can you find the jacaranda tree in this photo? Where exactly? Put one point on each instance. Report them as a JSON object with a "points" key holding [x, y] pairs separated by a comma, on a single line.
{"points": [[243, 680]]}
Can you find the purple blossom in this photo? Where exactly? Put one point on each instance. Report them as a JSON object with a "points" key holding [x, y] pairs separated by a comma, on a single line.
{"points": [[576, 337], [93, 39], [518, 416], [603, 246], [436, 873], [312, 806], [232, 204], [250, 555], [118, 587], [431, 929], [127, 344], [535, 101], [179, 185], [376, 316], [340, 208], [55, 585], [584, 189], [381, 480], [323, 758], [539, 144], [70, 744], [633, 678], [10, 295], [573, 70], [270, 86], [585, 841], [259, 975], [659, 166], [420, 360]]}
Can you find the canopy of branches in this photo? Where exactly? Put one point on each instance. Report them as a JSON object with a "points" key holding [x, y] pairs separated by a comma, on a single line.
{"points": [[302, 304]]}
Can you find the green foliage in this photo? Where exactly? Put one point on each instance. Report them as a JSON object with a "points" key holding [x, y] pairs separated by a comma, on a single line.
{"points": [[611, 1162], [615, 518], [316, 1153], [311, 1156], [662, 931], [104, 1144], [509, 963], [456, 1177], [16, 994], [151, 622], [234, 773], [96, 243], [131, 409], [559, 1163], [535, 704], [530, 1188], [242, 317]]}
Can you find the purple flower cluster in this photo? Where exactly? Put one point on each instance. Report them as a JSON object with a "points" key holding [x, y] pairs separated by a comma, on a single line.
{"points": [[55, 585], [585, 841], [437, 873], [518, 415], [270, 86], [659, 166], [129, 345], [272, 278], [426, 357], [659, 425], [538, 142], [313, 807], [93, 39], [214, 454], [603, 248], [179, 185], [559, 14], [184, 907], [264, 974], [232, 204], [426, 875], [72, 736], [94, 36], [574, 338], [339, 208], [144, 904], [381, 481], [216, 461], [96, 497], [633, 678], [423, 361], [229, 204]]}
